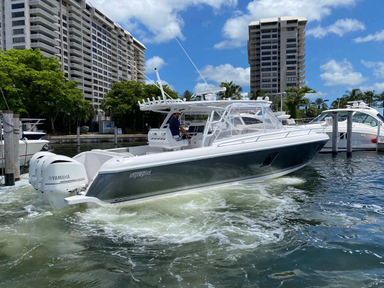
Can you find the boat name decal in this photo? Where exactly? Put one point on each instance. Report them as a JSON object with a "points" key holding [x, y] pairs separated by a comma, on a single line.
{"points": [[140, 174], [58, 177]]}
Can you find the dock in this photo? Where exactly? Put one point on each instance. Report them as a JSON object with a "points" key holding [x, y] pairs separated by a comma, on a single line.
{"points": [[96, 138]]}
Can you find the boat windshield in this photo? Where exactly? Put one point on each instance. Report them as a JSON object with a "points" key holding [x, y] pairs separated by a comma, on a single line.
{"points": [[358, 117], [242, 119], [341, 116], [363, 118]]}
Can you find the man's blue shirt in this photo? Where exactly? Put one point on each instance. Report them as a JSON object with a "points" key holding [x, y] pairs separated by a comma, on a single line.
{"points": [[174, 124]]}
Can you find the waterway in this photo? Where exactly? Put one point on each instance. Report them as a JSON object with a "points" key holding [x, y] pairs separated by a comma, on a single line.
{"points": [[321, 226]]}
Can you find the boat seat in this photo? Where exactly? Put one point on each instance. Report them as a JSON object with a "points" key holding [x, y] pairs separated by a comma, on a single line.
{"points": [[162, 138]]}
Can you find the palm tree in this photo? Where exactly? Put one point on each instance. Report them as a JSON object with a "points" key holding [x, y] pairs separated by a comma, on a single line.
{"points": [[232, 91], [380, 98], [187, 95], [354, 94], [256, 93], [295, 99], [319, 102], [369, 97]]}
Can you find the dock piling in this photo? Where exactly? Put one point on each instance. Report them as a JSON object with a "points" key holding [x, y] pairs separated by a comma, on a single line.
{"points": [[16, 139], [78, 135], [335, 133], [9, 176]]}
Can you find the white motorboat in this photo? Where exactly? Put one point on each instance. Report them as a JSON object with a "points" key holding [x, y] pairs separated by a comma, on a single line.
{"points": [[222, 149], [365, 122], [30, 143]]}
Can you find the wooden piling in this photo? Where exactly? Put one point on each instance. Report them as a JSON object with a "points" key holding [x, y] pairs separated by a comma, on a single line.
{"points": [[349, 134], [78, 135], [16, 139], [9, 176], [335, 133], [115, 136]]}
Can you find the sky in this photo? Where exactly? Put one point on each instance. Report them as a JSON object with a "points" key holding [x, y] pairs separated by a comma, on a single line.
{"points": [[344, 40]]}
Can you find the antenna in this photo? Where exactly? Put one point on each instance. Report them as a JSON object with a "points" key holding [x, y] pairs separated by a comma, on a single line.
{"points": [[161, 86], [190, 59]]}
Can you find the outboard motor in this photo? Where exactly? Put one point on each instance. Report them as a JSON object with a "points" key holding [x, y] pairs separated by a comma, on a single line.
{"points": [[56, 177]]}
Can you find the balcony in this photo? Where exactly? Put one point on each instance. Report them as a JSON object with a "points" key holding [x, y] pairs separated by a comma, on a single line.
{"points": [[75, 38], [76, 66], [44, 47], [42, 29], [45, 39], [40, 12], [76, 59], [75, 52], [75, 24], [75, 45], [75, 31], [41, 20], [73, 16], [77, 79], [46, 7]]}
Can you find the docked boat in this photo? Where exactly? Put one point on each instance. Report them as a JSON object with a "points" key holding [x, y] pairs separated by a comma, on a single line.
{"points": [[365, 122], [29, 144], [222, 149]]}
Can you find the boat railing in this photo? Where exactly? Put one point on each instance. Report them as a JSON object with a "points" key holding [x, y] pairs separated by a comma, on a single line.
{"points": [[267, 136], [158, 101]]}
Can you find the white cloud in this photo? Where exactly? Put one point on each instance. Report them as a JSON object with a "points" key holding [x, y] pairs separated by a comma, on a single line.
{"points": [[340, 27], [316, 95], [227, 73], [152, 20], [235, 29], [378, 67], [153, 82], [340, 73], [152, 63], [378, 36], [202, 86], [377, 87]]}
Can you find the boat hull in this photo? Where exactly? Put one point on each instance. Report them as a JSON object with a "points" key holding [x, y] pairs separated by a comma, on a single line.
{"points": [[147, 181], [27, 148]]}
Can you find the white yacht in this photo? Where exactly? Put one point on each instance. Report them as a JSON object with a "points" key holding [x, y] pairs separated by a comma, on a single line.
{"points": [[222, 149], [30, 143], [365, 122]]}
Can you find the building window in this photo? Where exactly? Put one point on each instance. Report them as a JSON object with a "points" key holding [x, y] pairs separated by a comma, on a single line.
{"points": [[291, 62], [22, 47], [265, 58], [291, 78], [291, 40], [18, 14], [18, 31], [19, 40], [18, 23], [291, 68], [291, 51], [18, 6], [291, 57], [291, 46]]}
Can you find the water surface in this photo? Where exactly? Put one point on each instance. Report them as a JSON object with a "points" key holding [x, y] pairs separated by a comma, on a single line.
{"points": [[321, 226]]}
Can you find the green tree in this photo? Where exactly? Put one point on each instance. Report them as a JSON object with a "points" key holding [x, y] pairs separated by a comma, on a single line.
{"points": [[187, 95], [121, 103], [295, 99], [35, 86], [369, 98], [256, 93], [232, 91], [353, 95], [380, 98]]}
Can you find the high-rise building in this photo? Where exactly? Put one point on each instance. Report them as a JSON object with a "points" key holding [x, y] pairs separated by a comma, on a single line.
{"points": [[276, 55], [93, 50]]}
